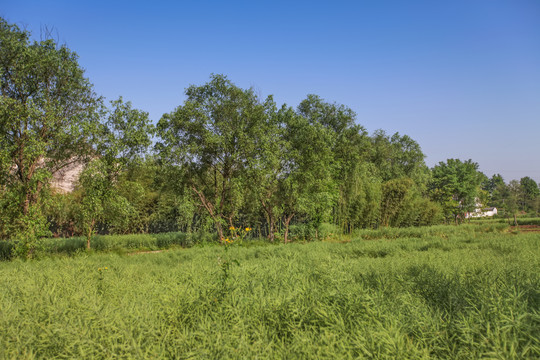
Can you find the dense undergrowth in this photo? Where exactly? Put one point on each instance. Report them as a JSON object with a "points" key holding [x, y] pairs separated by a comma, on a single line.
{"points": [[459, 294], [148, 242]]}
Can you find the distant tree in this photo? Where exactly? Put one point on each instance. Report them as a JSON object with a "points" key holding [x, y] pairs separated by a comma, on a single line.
{"points": [[455, 185], [530, 192], [514, 199], [47, 115], [399, 156], [490, 184], [492, 187]]}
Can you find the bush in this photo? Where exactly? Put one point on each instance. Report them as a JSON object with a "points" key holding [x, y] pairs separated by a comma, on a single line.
{"points": [[6, 250], [327, 230]]}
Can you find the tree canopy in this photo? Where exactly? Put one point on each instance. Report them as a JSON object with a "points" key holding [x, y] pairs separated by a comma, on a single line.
{"points": [[47, 118], [225, 158]]}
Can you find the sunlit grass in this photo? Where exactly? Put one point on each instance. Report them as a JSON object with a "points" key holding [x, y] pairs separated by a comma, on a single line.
{"points": [[459, 294]]}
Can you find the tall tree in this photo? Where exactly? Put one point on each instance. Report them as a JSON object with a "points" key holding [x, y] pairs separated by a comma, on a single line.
{"points": [[530, 192], [455, 185], [398, 156], [349, 146], [394, 194], [123, 138], [267, 167], [47, 113], [306, 187], [211, 137], [514, 199]]}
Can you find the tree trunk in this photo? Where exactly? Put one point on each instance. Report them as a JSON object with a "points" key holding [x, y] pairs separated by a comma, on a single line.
{"points": [[219, 230], [287, 222], [89, 234], [271, 229], [270, 219], [210, 208]]}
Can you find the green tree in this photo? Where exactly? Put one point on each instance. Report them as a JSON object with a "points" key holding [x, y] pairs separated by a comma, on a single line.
{"points": [[267, 167], [398, 156], [123, 139], [349, 145], [394, 195], [514, 199], [455, 185], [306, 187], [211, 137], [530, 193], [47, 114]]}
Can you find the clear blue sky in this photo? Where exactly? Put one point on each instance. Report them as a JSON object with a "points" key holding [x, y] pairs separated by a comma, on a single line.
{"points": [[461, 77]]}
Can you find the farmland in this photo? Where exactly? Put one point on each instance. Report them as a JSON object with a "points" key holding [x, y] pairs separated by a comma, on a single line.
{"points": [[438, 292]]}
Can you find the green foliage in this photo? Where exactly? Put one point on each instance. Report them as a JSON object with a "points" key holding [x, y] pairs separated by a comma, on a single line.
{"points": [[398, 157], [455, 185], [306, 188], [225, 157], [47, 115], [246, 162], [124, 138], [117, 243], [530, 188], [394, 194], [429, 232], [453, 292], [211, 137]]}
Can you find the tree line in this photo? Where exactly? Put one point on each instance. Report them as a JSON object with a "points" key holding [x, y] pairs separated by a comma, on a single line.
{"points": [[225, 158]]}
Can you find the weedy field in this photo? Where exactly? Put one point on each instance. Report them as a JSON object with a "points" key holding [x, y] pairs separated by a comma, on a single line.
{"points": [[462, 292]]}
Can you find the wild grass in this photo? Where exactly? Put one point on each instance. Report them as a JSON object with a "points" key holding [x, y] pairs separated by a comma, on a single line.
{"points": [[464, 295], [523, 220], [112, 243]]}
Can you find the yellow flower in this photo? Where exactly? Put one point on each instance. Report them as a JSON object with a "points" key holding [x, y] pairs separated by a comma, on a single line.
{"points": [[231, 228], [248, 229]]}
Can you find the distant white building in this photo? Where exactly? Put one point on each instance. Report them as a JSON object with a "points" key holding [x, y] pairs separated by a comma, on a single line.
{"points": [[479, 212]]}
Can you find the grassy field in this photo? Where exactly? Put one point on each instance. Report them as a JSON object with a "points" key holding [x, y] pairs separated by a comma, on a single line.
{"points": [[462, 292]]}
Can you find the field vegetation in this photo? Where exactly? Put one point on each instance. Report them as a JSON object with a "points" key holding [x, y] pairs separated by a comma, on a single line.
{"points": [[234, 227], [464, 292]]}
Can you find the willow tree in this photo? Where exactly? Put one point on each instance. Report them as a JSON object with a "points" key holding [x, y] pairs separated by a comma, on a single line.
{"points": [[47, 112], [211, 138]]}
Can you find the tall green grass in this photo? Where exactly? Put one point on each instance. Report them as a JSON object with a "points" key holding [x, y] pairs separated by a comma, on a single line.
{"points": [[509, 220], [441, 231], [464, 296], [118, 243]]}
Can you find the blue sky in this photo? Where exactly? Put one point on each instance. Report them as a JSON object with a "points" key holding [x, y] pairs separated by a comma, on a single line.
{"points": [[461, 77]]}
